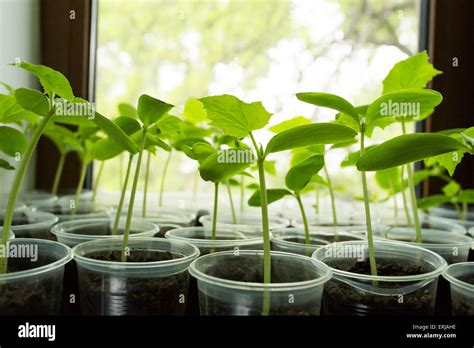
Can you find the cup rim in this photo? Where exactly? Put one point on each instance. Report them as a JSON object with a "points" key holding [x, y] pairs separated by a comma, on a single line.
{"points": [[171, 234], [282, 241], [454, 280], [42, 269], [252, 286], [48, 219], [133, 265], [318, 255], [279, 221]]}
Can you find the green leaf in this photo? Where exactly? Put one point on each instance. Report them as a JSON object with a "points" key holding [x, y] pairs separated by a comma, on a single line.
{"points": [[432, 201], [233, 182], [344, 144], [451, 189], [302, 153], [153, 141], [407, 149], [273, 195], [448, 160], [389, 179], [73, 120], [128, 124], [50, 79], [178, 144], [466, 196], [12, 112], [310, 134], [191, 131], [63, 138], [5, 165], [269, 167], [234, 116], [216, 169], [168, 126], [352, 157], [12, 141], [194, 111], [150, 109], [331, 101], [32, 100], [115, 133], [413, 72], [202, 151], [296, 121], [318, 179], [9, 88], [253, 186], [126, 109], [300, 175], [410, 105]]}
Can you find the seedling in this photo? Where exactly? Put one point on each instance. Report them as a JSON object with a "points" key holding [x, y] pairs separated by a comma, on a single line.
{"points": [[240, 119]]}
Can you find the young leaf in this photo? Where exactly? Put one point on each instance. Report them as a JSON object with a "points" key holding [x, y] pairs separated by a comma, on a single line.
{"points": [[115, 133], [413, 72], [126, 109], [407, 149], [310, 134], [432, 201], [32, 100], [128, 124], [168, 126], [448, 160], [194, 111], [331, 101], [50, 79], [151, 109], [12, 112], [301, 153], [451, 189], [5, 165], [466, 196], [9, 88], [273, 195], [12, 141], [300, 175], [216, 169], [296, 121], [234, 116], [389, 179], [412, 105]]}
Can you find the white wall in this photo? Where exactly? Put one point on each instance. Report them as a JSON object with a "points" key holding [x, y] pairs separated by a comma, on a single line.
{"points": [[19, 37]]}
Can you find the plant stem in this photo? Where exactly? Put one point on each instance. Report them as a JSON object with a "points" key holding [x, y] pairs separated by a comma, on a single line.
{"points": [[59, 173], [163, 177], [303, 216], [370, 238], [395, 204], [120, 170], [80, 185], [145, 189], [231, 201], [195, 185], [419, 237], [97, 180], [265, 226], [464, 211], [122, 196], [8, 218], [331, 195], [214, 215], [242, 193], [128, 223], [404, 197]]}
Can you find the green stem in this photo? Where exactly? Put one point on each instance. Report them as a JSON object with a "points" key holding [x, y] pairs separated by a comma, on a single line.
{"points": [[331, 195], [8, 218], [395, 204], [163, 177], [303, 216], [97, 181], [458, 210], [419, 237], [265, 226], [122, 196], [464, 211], [120, 176], [231, 201], [59, 173], [242, 193], [128, 223], [370, 238], [214, 215], [145, 189], [80, 185], [404, 197]]}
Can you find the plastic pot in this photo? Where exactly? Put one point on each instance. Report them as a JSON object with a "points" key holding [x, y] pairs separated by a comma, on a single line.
{"points": [[153, 281], [62, 209], [31, 224], [231, 283], [451, 214], [461, 279], [246, 223], [20, 205], [292, 240], [406, 283], [38, 197], [34, 281], [347, 224]]}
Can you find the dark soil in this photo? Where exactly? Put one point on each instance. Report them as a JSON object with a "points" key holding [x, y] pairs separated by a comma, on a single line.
{"points": [[33, 296], [113, 294], [302, 240], [342, 299], [200, 213], [248, 270]]}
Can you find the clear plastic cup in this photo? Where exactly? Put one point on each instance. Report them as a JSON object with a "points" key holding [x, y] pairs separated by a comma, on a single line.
{"points": [[33, 283], [231, 283], [79, 231], [38, 197], [292, 240], [164, 217], [453, 247], [31, 224], [347, 224], [451, 214], [246, 223], [141, 286], [461, 279], [426, 222], [64, 212], [406, 283], [20, 205]]}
